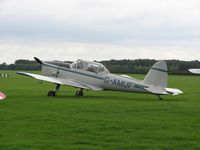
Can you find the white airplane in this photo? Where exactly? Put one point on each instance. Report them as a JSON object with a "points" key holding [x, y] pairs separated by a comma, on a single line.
{"points": [[94, 76], [2, 95], [195, 71]]}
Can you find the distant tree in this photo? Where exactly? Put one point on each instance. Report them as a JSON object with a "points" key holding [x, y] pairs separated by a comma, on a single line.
{"points": [[140, 66]]}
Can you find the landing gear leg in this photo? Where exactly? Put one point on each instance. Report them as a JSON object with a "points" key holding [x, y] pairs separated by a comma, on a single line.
{"points": [[79, 92], [160, 98], [53, 93]]}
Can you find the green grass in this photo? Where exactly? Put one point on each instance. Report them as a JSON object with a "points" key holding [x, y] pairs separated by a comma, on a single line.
{"points": [[99, 120]]}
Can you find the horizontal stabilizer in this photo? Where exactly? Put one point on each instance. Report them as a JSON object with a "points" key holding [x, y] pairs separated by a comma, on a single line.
{"points": [[173, 91], [156, 90], [164, 91]]}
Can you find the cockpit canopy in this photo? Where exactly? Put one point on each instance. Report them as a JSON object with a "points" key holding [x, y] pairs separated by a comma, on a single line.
{"points": [[89, 66]]}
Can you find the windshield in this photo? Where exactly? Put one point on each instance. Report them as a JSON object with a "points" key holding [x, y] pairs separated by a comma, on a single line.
{"points": [[89, 66]]}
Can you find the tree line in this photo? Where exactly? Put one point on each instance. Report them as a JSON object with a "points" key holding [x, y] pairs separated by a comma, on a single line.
{"points": [[21, 65], [139, 66], [142, 66]]}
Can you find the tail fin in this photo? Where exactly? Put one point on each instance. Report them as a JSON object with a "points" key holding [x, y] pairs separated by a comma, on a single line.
{"points": [[157, 75]]}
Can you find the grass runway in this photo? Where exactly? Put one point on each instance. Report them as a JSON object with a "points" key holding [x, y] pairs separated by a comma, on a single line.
{"points": [[99, 120]]}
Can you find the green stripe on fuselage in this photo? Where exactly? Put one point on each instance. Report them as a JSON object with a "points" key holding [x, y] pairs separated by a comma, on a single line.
{"points": [[140, 86]]}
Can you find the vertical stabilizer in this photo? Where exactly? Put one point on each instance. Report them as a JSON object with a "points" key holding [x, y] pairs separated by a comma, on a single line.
{"points": [[157, 75]]}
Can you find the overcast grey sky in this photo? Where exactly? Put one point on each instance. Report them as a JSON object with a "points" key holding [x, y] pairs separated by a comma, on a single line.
{"points": [[99, 29]]}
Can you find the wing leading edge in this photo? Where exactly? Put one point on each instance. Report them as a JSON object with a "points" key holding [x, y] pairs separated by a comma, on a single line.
{"points": [[61, 81]]}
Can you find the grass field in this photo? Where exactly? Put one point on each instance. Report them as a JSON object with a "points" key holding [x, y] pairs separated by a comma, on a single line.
{"points": [[99, 120]]}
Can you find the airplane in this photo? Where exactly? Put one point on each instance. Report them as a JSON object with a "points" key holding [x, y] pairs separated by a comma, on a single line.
{"points": [[2, 96], [195, 71], [88, 75]]}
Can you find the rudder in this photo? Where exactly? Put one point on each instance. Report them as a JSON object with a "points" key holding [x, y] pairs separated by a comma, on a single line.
{"points": [[157, 75]]}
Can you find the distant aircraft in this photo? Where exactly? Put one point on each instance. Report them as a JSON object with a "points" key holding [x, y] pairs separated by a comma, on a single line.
{"points": [[195, 71], [94, 76], [2, 96]]}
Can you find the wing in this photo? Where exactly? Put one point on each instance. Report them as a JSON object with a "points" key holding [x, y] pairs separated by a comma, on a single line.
{"points": [[61, 81], [196, 71]]}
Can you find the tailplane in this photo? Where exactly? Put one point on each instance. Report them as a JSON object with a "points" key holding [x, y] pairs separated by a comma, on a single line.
{"points": [[157, 76]]}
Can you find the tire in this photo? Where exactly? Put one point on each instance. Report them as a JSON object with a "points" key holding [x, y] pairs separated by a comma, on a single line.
{"points": [[79, 93], [51, 93]]}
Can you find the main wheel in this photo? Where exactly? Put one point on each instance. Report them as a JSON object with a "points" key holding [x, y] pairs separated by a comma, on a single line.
{"points": [[79, 93], [160, 98], [51, 93]]}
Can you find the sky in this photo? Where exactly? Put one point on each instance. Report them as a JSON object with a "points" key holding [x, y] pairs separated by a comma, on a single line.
{"points": [[99, 29]]}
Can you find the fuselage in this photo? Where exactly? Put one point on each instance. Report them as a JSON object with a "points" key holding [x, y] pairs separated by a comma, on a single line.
{"points": [[106, 81]]}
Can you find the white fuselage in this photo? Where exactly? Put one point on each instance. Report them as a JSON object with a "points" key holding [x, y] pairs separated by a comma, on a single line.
{"points": [[106, 81]]}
